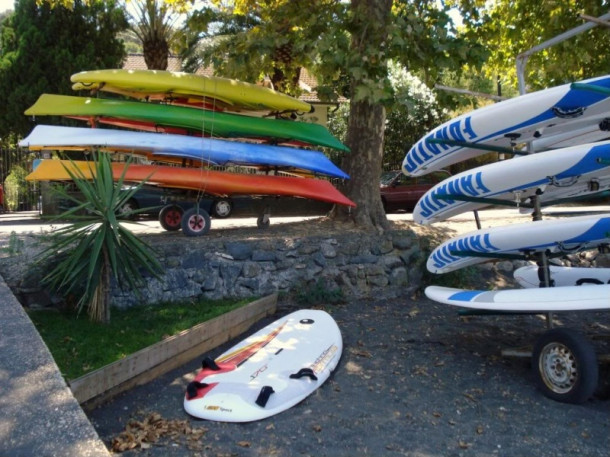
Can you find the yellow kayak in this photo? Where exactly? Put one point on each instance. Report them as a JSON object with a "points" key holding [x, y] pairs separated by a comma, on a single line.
{"points": [[188, 88]]}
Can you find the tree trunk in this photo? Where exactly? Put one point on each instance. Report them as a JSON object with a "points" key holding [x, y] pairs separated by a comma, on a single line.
{"points": [[99, 308], [365, 138], [366, 125], [156, 54]]}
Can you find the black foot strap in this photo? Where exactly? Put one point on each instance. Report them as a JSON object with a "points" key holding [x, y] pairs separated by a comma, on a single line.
{"points": [[582, 281], [263, 396], [193, 387], [304, 372], [208, 362]]}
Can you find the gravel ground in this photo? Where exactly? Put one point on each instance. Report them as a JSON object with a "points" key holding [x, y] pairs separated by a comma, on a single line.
{"points": [[415, 379]]}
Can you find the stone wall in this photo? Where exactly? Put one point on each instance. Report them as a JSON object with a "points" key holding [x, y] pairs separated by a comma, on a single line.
{"points": [[358, 264]]}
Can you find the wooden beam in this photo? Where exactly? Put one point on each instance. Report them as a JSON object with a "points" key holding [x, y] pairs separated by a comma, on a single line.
{"points": [[149, 363]]}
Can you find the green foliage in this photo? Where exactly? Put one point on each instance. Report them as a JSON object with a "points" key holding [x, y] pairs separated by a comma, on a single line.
{"points": [[15, 245], [511, 27], [246, 40], [96, 245], [42, 47], [80, 346], [415, 112], [319, 293], [15, 187], [464, 278]]}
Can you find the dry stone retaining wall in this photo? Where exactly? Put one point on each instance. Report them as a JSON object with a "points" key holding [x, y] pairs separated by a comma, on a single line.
{"points": [[358, 264]]}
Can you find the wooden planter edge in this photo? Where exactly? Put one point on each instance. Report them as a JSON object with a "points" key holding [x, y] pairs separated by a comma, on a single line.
{"points": [[151, 362]]}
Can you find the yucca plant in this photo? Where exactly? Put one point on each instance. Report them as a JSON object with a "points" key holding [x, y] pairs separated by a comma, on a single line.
{"points": [[95, 246]]}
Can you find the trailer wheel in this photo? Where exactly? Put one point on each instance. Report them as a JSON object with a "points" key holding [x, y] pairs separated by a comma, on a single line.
{"points": [[565, 366]]}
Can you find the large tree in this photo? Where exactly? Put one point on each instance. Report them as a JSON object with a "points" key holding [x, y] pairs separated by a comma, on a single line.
{"points": [[347, 46], [42, 47], [369, 26]]}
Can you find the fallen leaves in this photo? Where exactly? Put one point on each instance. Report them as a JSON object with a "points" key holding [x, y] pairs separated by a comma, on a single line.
{"points": [[152, 428]]}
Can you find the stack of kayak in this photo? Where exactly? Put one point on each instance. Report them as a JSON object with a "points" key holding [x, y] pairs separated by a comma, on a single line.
{"points": [[194, 121]]}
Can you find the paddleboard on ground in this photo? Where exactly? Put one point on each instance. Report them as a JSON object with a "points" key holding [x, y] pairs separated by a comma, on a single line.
{"points": [[213, 151], [511, 122], [546, 299], [528, 276], [551, 175], [168, 85], [268, 372], [560, 236]]}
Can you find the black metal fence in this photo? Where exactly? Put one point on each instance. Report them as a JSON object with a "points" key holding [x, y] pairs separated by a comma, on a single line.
{"points": [[17, 193]]}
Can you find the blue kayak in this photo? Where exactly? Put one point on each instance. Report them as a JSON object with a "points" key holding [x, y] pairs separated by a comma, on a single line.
{"points": [[209, 150]]}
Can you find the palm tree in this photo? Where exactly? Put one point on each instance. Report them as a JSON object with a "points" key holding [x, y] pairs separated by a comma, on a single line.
{"points": [[154, 25], [96, 247]]}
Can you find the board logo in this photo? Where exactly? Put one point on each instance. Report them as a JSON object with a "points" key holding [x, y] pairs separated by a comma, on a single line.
{"points": [[445, 255], [255, 375], [324, 358], [423, 151], [470, 185], [218, 408]]}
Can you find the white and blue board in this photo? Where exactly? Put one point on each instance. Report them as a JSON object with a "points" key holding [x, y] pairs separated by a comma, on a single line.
{"points": [[542, 300], [511, 122], [590, 131], [268, 372], [209, 150], [551, 175], [555, 236], [528, 276]]}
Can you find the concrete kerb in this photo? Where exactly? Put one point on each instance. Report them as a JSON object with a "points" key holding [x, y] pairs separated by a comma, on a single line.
{"points": [[40, 416]]}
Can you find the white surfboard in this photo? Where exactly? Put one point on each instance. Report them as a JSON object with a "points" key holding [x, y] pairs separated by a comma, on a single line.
{"points": [[564, 173], [548, 299], [515, 121], [527, 276], [589, 132], [268, 372], [555, 236]]}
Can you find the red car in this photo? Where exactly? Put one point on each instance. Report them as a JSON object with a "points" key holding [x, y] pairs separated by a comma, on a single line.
{"points": [[400, 192]]}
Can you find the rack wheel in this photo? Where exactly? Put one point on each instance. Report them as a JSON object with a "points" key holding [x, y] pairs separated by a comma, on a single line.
{"points": [[195, 222], [170, 217], [263, 221], [565, 366]]}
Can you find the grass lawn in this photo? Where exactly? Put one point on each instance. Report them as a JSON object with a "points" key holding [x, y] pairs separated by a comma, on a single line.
{"points": [[80, 346]]}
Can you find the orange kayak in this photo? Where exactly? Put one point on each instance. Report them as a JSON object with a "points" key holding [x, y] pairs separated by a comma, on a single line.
{"points": [[202, 180]]}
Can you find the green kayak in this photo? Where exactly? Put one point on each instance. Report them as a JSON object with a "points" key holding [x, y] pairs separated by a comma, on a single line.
{"points": [[211, 122]]}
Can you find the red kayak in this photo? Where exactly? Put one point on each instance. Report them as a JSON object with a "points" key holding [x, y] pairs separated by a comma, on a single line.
{"points": [[202, 180]]}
